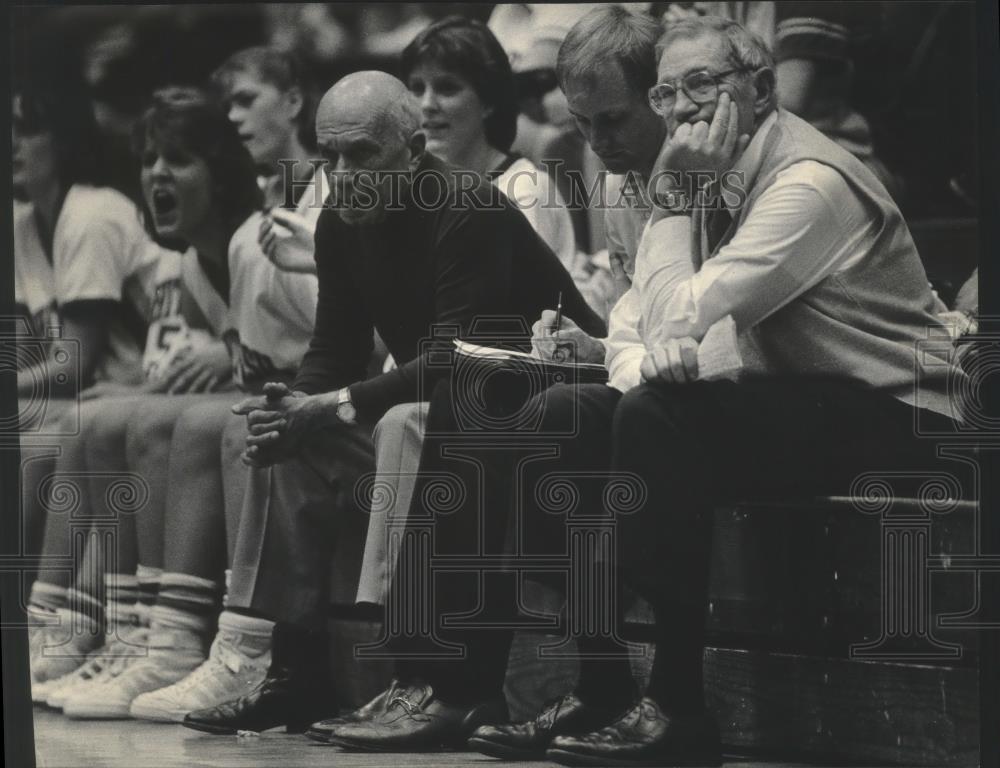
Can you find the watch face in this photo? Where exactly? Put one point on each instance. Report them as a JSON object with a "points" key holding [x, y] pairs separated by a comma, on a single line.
{"points": [[346, 412]]}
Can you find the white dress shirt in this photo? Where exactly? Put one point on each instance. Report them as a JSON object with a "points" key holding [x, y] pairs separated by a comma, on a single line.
{"points": [[807, 225]]}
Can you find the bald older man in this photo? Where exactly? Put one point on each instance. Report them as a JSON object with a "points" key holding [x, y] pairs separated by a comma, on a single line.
{"points": [[405, 251]]}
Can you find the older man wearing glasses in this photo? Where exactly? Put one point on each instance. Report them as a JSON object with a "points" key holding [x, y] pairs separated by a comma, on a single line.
{"points": [[762, 224]]}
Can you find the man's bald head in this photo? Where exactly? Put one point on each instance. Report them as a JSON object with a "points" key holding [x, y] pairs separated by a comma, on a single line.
{"points": [[368, 123], [376, 100]]}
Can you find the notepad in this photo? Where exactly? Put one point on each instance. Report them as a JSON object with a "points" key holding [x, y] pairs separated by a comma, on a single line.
{"points": [[579, 372]]}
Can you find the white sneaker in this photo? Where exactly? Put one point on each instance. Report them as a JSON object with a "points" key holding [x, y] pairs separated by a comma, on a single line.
{"points": [[40, 690], [173, 654], [115, 654], [227, 674], [56, 649]]}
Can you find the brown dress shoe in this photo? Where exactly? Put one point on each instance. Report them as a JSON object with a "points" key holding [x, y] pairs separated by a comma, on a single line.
{"points": [[528, 741], [415, 720], [323, 730], [644, 735]]}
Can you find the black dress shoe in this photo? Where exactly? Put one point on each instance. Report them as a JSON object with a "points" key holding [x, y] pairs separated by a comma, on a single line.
{"points": [[415, 720], [528, 741], [643, 736], [294, 693], [323, 730]]}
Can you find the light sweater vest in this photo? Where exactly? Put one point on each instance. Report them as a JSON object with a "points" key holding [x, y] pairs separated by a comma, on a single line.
{"points": [[865, 323]]}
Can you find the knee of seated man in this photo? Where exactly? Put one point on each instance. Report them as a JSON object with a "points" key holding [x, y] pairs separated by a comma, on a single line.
{"points": [[559, 408], [646, 405], [399, 420]]}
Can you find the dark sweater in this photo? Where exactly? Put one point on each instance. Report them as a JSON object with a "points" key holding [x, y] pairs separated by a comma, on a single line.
{"points": [[420, 269]]}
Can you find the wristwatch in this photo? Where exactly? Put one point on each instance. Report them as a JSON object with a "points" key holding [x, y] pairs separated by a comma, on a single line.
{"points": [[674, 201], [345, 408]]}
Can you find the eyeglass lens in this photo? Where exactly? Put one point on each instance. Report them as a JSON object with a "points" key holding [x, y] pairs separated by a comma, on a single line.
{"points": [[699, 87]]}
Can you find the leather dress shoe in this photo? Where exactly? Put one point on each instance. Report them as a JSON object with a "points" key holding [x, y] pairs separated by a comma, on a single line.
{"points": [[643, 736], [323, 730], [528, 741], [415, 720], [294, 693]]}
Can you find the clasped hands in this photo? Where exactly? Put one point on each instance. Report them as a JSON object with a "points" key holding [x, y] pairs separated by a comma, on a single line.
{"points": [[278, 422]]}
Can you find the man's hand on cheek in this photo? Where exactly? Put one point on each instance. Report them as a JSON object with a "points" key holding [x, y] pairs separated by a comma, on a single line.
{"points": [[699, 152]]}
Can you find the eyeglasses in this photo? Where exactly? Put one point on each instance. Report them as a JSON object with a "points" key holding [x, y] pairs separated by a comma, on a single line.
{"points": [[701, 87]]}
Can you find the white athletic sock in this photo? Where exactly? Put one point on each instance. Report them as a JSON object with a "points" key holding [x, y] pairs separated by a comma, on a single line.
{"points": [[186, 602], [46, 598], [250, 634], [86, 611], [149, 584], [122, 592]]}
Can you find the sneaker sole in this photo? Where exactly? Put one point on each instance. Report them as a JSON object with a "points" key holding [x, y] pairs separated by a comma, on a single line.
{"points": [[156, 714], [96, 712], [56, 702], [58, 698]]}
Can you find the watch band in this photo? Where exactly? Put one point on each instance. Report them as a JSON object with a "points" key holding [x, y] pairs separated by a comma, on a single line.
{"points": [[346, 411]]}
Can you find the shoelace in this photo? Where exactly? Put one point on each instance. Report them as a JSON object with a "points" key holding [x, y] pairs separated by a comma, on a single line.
{"points": [[224, 661], [630, 717], [411, 708], [649, 711], [208, 670], [99, 660], [549, 711], [97, 663]]}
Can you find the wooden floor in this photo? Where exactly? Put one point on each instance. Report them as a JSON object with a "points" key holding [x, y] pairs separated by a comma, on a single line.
{"points": [[64, 743]]}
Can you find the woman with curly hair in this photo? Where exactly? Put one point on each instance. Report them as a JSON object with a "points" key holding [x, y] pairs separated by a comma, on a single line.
{"points": [[199, 189]]}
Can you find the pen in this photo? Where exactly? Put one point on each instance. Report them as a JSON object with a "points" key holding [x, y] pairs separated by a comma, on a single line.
{"points": [[558, 323]]}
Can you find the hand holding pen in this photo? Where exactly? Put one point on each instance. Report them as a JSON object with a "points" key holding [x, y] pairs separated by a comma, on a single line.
{"points": [[559, 354]]}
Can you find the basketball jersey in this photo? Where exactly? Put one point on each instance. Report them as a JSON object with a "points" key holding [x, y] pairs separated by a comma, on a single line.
{"points": [[272, 311], [100, 251], [187, 312], [34, 280]]}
